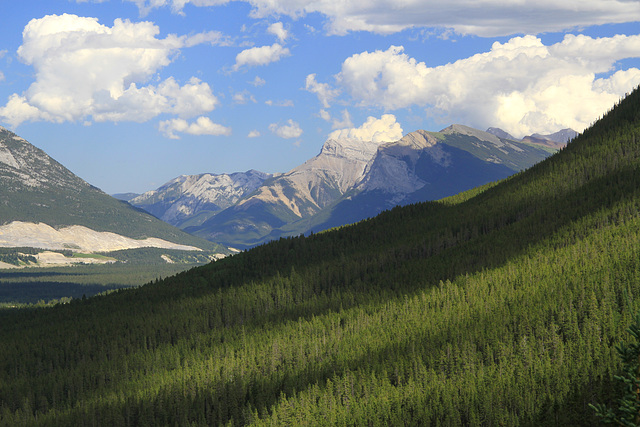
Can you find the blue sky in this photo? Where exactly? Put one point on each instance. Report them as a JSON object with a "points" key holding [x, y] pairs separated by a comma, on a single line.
{"points": [[129, 94]]}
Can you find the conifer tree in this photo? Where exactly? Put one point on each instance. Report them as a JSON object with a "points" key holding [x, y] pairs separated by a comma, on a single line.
{"points": [[628, 411]]}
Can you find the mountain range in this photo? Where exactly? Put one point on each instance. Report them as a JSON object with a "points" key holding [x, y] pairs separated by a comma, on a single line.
{"points": [[349, 180]]}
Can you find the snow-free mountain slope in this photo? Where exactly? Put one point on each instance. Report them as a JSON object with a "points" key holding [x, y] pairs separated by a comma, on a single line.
{"points": [[296, 195], [351, 180], [553, 141], [34, 188], [428, 166], [188, 199]]}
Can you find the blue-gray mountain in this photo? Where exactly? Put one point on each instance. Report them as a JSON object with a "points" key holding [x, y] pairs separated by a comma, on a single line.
{"points": [[347, 181], [429, 166]]}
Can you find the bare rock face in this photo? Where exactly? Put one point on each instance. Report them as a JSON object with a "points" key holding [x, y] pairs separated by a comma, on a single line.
{"points": [[319, 181]]}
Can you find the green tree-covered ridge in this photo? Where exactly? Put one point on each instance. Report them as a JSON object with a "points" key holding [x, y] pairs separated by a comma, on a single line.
{"points": [[36, 188], [499, 306]]}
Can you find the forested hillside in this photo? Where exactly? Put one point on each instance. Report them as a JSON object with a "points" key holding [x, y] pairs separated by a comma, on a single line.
{"points": [[499, 306]]}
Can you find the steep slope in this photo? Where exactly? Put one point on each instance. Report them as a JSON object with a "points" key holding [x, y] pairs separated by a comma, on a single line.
{"points": [[498, 306], [34, 188], [287, 198], [191, 199], [428, 166]]}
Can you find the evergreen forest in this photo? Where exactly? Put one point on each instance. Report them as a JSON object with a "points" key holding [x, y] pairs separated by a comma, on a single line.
{"points": [[502, 305]]}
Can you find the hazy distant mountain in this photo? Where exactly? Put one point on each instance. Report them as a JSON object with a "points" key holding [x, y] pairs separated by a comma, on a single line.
{"points": [[35, 189], [554, 141], [125, 196], [191, 199]]}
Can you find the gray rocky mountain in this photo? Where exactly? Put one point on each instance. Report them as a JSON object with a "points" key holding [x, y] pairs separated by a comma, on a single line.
{"points": [[191, 199], [36, 189], [428, 166], [291, 197], [553, 141]]}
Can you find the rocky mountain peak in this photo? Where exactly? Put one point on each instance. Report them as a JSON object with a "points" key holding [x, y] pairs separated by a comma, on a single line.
{"points": [[417, 140], [561, 137]]}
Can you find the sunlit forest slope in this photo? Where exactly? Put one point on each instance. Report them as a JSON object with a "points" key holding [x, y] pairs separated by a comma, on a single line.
{"points": [[499, 306]]}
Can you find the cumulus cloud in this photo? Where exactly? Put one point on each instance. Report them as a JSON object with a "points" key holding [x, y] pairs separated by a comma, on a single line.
{"points": [[485, 18], [323, 91], [88, 71], [202, 126], [290, 130], [278, 30], [521, 86], [262, 55], [384, 129], [253, 134]]}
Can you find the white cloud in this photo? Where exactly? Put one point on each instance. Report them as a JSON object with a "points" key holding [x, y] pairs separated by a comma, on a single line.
{"points": [[324, 115], [253, 134], [202, 126], [278, 30], [284, 103], [86, 70], [243, 97], [262, 55], [345, 123], [257, 82], [384, 129], [290, 130], [146, 6], [323, 91], [521, 86], [485, 18]]}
